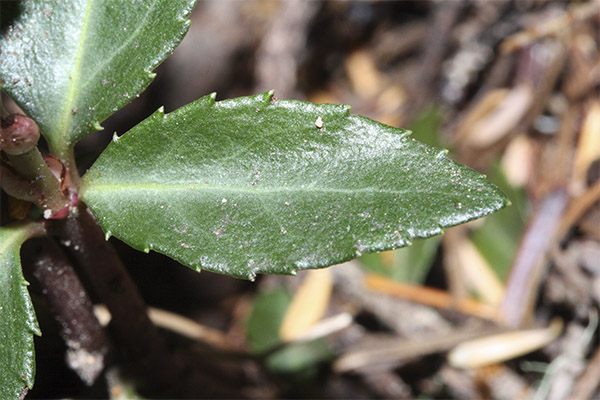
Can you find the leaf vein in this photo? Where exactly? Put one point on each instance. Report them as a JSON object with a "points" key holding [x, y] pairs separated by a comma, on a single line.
{"points": [[67, 115], [108, 61]]}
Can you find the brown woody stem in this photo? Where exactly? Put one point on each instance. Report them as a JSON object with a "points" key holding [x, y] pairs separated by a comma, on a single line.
{"points": [[137, 340], [72, 308]]}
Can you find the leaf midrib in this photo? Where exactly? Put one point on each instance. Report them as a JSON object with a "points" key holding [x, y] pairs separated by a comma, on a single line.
{"points": [[67, 115], [95, 187]]}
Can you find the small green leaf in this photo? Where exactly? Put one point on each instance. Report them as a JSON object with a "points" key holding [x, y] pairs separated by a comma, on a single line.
{"points": [[262, 332], [17, 317], [71, 64], [252, 185], [498, 237], [409, 264], [427, 127], [303, 357], [262, 328]]}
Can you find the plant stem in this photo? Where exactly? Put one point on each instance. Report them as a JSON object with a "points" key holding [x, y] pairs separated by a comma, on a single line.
{"points": [[137, 340], [72, 308], [31, 166]]}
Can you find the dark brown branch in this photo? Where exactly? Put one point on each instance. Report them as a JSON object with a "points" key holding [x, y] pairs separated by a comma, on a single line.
{"points": [[138, 342], [72, 308], [136, 338]]}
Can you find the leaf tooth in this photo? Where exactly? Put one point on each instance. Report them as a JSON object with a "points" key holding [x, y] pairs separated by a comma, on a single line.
{"points": [[115, 139], [151, 74], [108, 233], [213, 97], [441, 154], [96, 125], [197, 266]]}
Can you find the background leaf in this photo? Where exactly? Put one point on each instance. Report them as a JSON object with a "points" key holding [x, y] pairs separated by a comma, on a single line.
{"points": [[497, 239], [252, 185], [262, 332], [262, 328], [71, 64], [17, 317], [409, 264]]}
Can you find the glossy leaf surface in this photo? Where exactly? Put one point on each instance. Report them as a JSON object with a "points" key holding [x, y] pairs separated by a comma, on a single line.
{"points": [[17, 317], [252, 185], [71, 64]]}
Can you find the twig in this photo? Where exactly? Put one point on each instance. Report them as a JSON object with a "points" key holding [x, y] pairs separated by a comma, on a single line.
{"points": [[444, 17], [175, 323], [577, 208], [136, 338], [588, 383], [139, 343], [278, 56], [72, 308], [389, 352], [528, 266], [432, 297], [551, 26]]}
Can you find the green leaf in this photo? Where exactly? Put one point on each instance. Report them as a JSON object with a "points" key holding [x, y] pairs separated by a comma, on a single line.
{"points": [[17, 317], [427, 127], [409, 264], [262, 328], [498, 237], [300, 357], [71, 64], [253, 185], [262, 332]]}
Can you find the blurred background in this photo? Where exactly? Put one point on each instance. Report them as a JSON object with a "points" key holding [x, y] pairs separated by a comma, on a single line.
{"points": [[511, 88]]}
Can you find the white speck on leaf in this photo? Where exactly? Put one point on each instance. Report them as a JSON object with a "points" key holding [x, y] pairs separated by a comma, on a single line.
{"points": [[319, 123]]}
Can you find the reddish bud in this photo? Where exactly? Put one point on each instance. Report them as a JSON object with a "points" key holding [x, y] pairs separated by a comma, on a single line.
{"points": [[18, 134]]}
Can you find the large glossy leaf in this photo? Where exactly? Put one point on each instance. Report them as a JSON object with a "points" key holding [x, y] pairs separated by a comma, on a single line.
{"points": [[17, 317], [71, 64], [255, 185]]}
